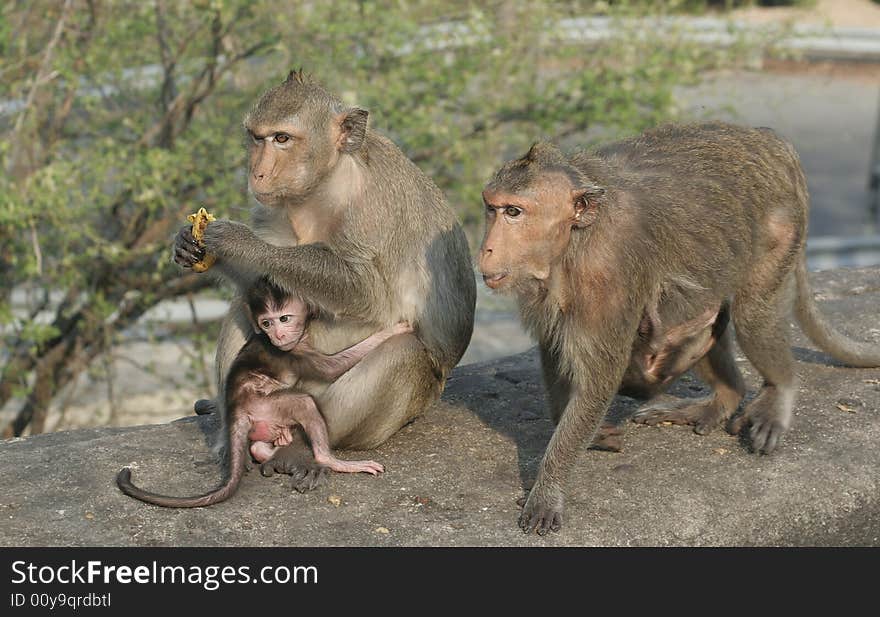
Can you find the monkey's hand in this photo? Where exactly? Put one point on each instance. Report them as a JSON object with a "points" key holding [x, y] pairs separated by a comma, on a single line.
{"points": [[542, 510], [186, 251]]}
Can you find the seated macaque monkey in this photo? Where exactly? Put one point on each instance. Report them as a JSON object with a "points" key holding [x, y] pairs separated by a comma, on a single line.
{"points": [[263, 403], [348, 222]]}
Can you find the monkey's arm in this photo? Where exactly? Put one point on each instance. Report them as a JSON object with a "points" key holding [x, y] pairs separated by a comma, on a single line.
{"points": [[187, 252], [314, 270], [597, 377], [334, 366]]}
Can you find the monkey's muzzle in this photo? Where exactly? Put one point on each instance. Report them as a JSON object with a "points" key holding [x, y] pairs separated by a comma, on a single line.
{"points": [[493, 281]]}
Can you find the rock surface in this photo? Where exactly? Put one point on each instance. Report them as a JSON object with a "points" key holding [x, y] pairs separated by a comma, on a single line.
{"points": [[453, 475]]}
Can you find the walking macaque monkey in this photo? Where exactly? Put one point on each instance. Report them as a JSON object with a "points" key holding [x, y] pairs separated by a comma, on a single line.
{"points": [[263, 404], [714, 215], [347, 221]]}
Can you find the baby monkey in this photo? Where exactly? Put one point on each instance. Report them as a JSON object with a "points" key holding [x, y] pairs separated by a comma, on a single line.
{"points": [[263, 406], [662, 353]]}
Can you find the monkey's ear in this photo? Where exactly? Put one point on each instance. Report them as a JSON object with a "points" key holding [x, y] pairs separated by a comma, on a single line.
{"points": [[352, 129], [586, 205]]}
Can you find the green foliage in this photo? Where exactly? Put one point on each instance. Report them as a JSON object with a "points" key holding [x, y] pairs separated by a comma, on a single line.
{"points": [[120, 118]]}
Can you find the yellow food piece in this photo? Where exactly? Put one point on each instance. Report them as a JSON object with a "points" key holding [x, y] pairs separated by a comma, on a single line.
{"points": [[200, 221]]}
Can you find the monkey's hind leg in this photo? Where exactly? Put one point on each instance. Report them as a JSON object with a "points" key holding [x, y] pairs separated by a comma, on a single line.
{"points": [[719, 371], [342, 466], [761, 311], [764, 340], [608, 438], [392, 385], [297, 460], [234, 332]]}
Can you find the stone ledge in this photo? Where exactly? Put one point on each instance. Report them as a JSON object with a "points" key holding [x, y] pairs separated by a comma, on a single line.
{"points": [[453, 475]]}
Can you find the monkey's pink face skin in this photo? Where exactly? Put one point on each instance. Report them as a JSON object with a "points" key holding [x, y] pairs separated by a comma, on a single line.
{"points": [[526, 233], [285, 326], [284, 163]]}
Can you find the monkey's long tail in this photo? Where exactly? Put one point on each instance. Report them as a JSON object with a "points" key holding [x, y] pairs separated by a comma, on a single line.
{"points": [[237, 452], [853, 353]]}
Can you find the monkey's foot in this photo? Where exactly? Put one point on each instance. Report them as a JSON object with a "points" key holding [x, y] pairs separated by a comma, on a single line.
{"points": [[542, 511], [370, 467], [609, 438], [768, 418], [307, 474], [704, 415], [204, 406]]}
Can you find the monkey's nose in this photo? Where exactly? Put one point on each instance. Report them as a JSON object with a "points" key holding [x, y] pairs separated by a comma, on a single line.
{"points": [[485, 256]]}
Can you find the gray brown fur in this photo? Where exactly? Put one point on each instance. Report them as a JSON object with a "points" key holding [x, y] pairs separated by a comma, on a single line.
{"points": [[369, 240], [721, 207]]}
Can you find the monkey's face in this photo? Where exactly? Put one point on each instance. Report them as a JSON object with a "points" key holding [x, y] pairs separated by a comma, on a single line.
{"points": [[296, 135], [285, 325], [527, 231], [287, 161]]}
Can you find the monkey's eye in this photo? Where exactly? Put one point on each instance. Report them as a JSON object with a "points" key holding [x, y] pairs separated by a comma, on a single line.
{"points": [[512, 211], [281, 138], [284, 318], [265, 324]]}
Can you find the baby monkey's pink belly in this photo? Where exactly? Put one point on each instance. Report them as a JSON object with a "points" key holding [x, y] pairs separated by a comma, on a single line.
{"points": [[268, 432]]}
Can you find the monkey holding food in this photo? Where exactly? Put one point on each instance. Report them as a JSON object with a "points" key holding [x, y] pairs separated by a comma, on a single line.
{"points": [[351, 224], [263, 404], [627, 263]]}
